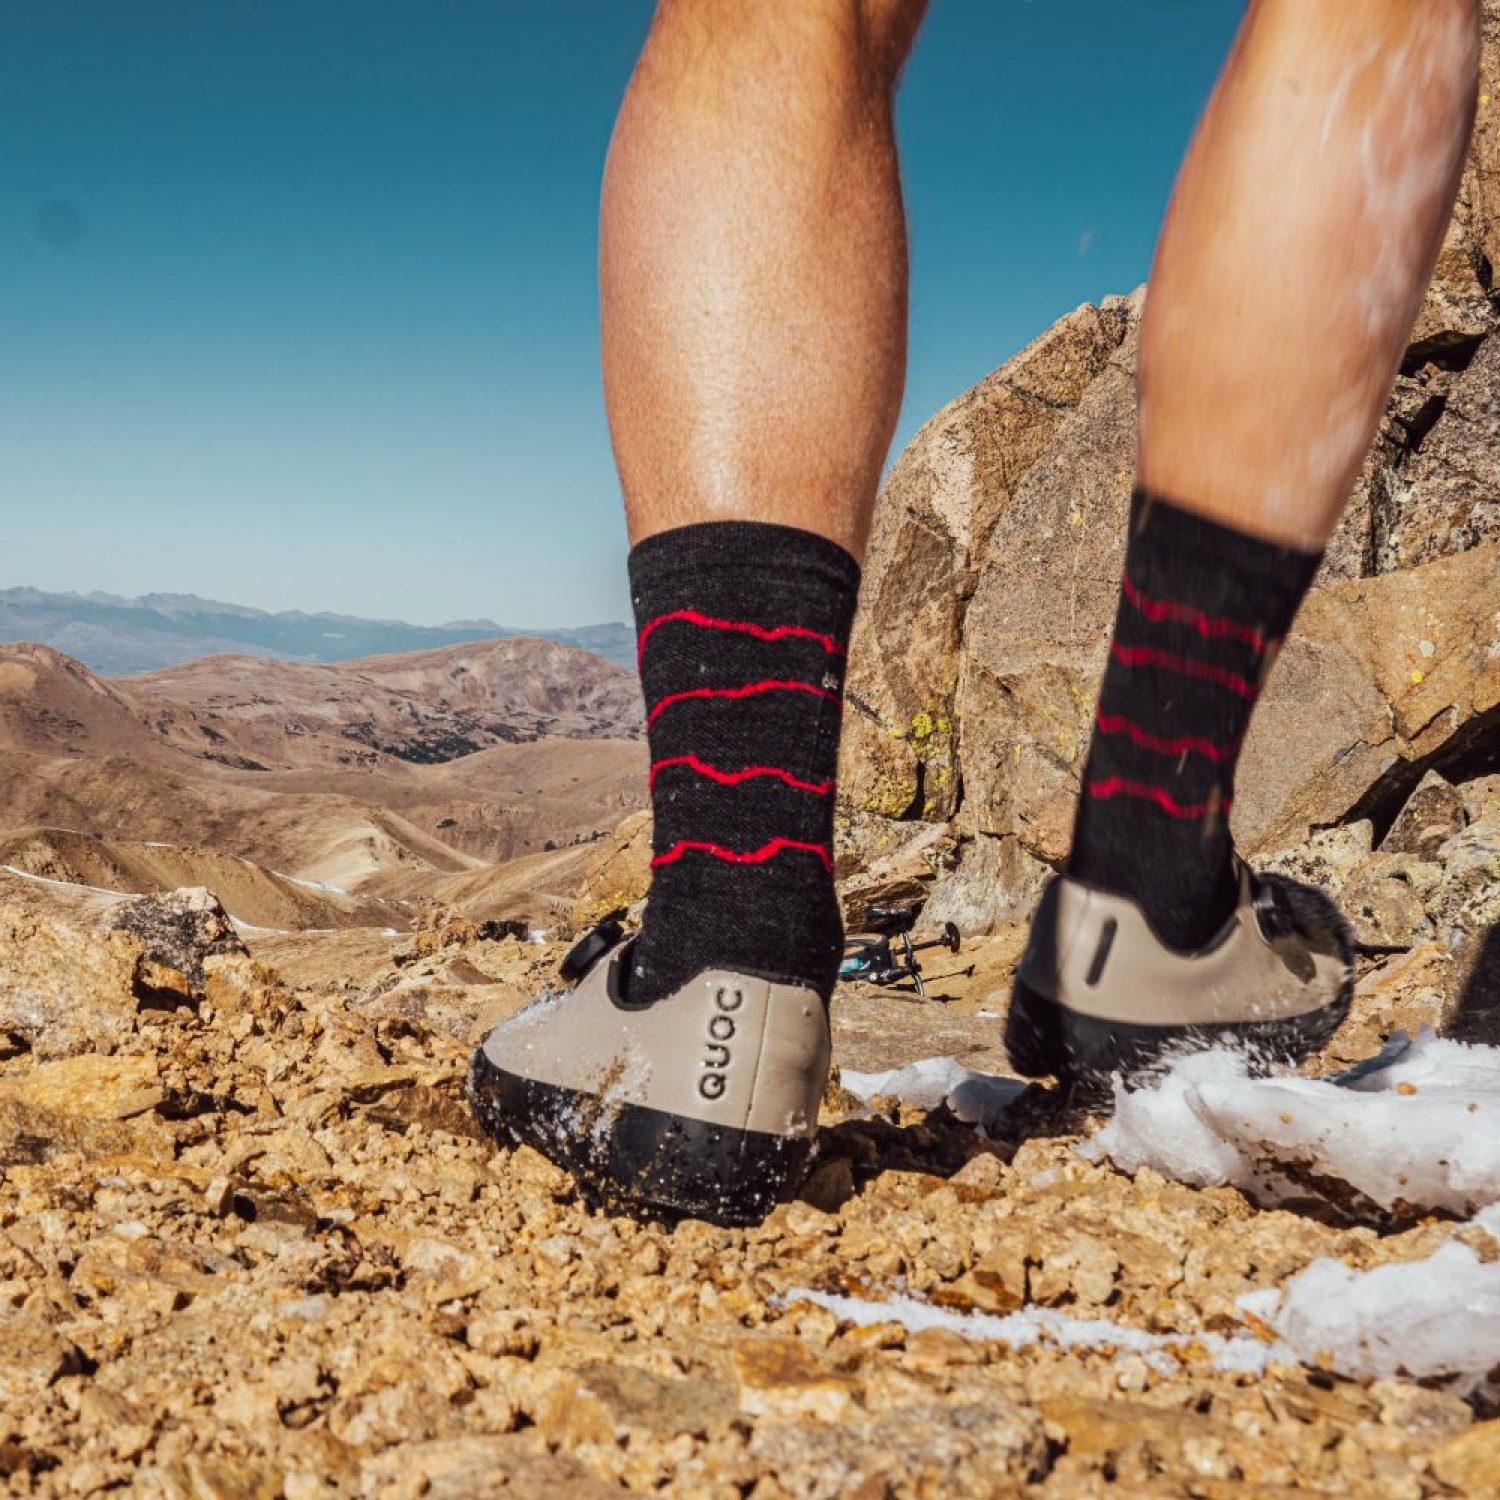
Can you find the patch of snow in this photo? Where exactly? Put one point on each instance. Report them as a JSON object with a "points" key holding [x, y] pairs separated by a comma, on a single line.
{"points": [[1434, 1317], [1418, 1125], [975, 1098], [263, 931], [1240, 1354], [312, 885], [71, 885]]}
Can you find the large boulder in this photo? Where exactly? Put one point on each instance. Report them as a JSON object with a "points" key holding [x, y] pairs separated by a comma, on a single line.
{"points": [[931, 540]]}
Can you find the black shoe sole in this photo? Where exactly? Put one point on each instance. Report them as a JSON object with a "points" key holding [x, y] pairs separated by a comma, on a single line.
{"points": [[637, 1158], [1045, 1039]]}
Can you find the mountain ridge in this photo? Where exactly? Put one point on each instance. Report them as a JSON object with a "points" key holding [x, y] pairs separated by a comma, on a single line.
{"points": [[115, 635]]}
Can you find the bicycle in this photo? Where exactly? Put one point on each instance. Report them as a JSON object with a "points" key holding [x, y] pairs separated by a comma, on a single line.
{"points": [[887, 955]]}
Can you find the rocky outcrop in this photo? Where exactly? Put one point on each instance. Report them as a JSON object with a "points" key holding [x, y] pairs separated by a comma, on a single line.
{"points": [[934, 532], [992, 575], [82, 966], [618, 874]]}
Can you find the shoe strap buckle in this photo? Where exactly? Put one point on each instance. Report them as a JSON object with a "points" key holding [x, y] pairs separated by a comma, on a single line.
{"points": [[590, 948], [1273, 912]]}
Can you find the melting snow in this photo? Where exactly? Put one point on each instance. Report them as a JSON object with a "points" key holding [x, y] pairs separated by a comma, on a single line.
{"points": [[263, 931], [1437, 1316], [72, 885], [1416, 1125], [312, 885], [1419, 1125], [975, 1098], [1031, 1326]]}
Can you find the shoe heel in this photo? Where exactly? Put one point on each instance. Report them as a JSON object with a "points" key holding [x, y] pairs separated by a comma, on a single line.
{"points": [[632, 1157], [1034, 1033], [681, 1166], [1044, 1038]]}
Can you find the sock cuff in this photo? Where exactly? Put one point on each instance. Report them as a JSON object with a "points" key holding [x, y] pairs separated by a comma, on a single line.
{"points": [[739, 546], [1158, 522]]}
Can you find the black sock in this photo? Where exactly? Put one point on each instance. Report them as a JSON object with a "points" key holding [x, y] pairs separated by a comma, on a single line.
{"points": [[742, 629], [1203, 609]]}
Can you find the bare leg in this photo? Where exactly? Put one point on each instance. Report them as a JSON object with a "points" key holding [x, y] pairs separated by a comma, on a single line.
{"points": [[753, 265], [753, 298], [1301, 236], [1299, 242]]}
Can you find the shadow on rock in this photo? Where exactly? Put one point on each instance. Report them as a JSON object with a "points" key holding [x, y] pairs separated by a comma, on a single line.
{"points": [[1477, 1015], [854, 1153]]}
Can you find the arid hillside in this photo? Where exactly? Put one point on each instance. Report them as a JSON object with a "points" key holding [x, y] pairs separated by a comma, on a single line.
{"points": [[424, 708], [286, 788]]}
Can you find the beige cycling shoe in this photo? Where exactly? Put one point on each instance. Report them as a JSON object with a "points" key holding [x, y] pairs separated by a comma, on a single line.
{"points": [[1097, 993], [703, 1103]]}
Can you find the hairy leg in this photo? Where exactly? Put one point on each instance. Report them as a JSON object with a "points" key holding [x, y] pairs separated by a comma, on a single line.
{"points": [[1301, 236], [753, 265]]}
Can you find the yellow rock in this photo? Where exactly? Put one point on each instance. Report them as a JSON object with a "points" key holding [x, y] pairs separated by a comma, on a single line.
{"points": [[1471, 1461]]}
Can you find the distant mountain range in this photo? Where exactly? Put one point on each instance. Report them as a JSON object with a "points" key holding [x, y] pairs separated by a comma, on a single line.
{"points": [[116, 636]]}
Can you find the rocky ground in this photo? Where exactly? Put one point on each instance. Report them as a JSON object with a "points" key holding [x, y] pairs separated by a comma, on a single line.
{"points": [[251, 1245]]}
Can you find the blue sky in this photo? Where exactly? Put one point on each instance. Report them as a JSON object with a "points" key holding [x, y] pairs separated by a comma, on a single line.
{"points": [[297, 297]]}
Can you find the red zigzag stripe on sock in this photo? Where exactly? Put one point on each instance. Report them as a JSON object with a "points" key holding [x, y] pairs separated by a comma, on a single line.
{"points": [[1182, 745], [1117, 786], [770, 685], [734, 778], [741, 627], [1147, 656], [742, 857], [1210, 627]]}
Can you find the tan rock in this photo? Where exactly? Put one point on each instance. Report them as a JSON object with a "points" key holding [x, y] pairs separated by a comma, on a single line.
{"points": [[779, 1377], [1481, 797], [640, 1401], [1327, 859], [894, 870], [1467, 899], [457, 1468], [1404, 992], [180, 930], [1383, 906], [619, 874], [503, 1333], [1470, 1462], [1432, 814], [1110, 1427], [1457, 312], [932, 534], [67, 988], [1082, 1269], [1360, 651], [92, 1086], [35, 1356], [1446, 500]]}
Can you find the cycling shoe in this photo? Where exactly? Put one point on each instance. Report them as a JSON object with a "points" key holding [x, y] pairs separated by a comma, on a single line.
{"points": [[704, 1103], [1097, 993]]}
